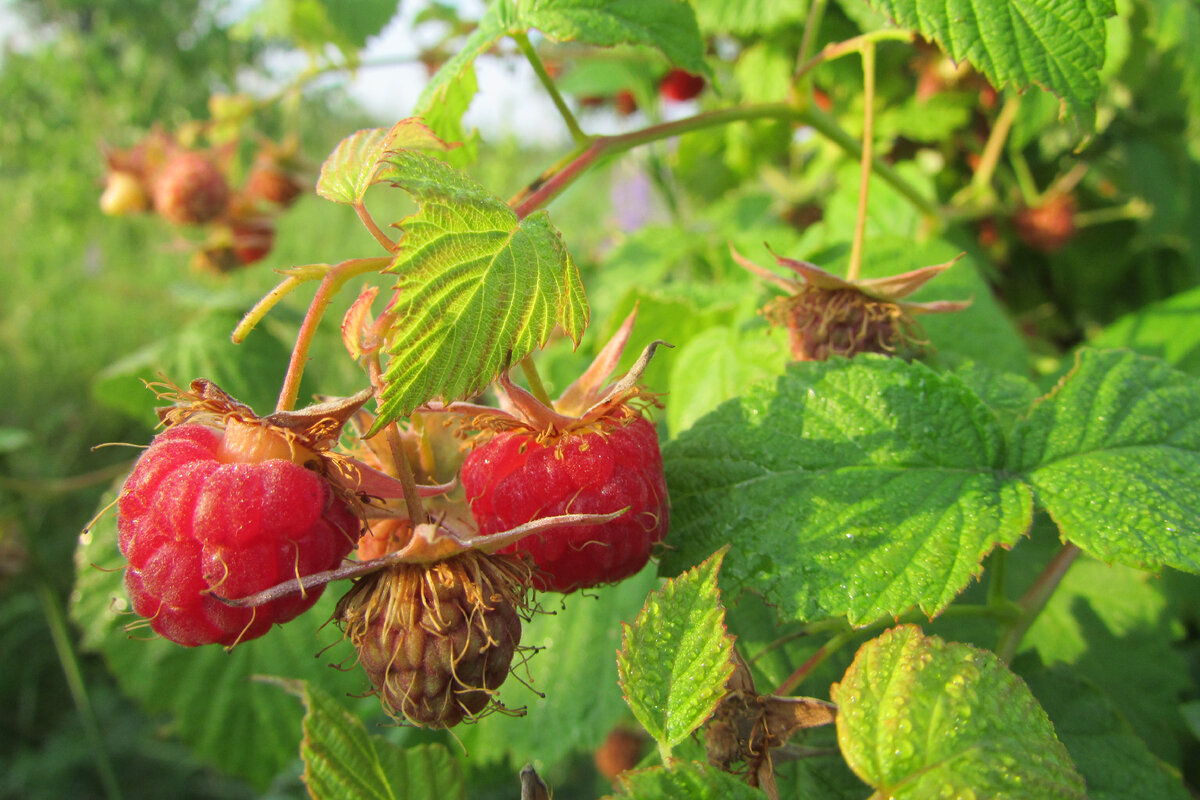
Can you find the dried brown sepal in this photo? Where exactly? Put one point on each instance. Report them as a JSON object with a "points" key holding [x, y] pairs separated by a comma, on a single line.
{"points": [[437, 640], [747, 727], [827, 316]]}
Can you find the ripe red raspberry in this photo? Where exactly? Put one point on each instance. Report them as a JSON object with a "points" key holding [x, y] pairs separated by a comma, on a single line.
{"points": [[514, 478], [190, 190], [679, 85], [226, 512], [437, 640], [252, 239], [1049, 226]]}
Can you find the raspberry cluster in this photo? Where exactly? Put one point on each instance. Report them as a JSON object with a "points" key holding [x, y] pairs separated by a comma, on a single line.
{"points": [[195, 523]]}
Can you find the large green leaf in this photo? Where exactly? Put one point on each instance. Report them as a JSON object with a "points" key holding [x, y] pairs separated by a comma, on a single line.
{"points": [[1166, 330], [748, 17], [242, 726], [1112, 759], [575, 667], [685, 780], [342, 761], [1057, 44], [1113, 454], [479, 289], [919, 717], [861, 487], [669, 25], [676, 657]]}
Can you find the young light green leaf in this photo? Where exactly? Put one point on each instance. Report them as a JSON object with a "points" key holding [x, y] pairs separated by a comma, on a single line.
{"points": [[861, 487], [669, 25], [344, 762], [245, 727], [1115, 763], [356, 163], [1113, 454], [919, 717], [686, 780], [1057, 44], [676, 657], [479, 289]]}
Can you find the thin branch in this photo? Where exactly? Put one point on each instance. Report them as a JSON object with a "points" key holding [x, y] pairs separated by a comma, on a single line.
{"points": [[549, 187], [360, 208], [1034, 600], [836, 50], [539, 68], [868, 145], [333, 281]]}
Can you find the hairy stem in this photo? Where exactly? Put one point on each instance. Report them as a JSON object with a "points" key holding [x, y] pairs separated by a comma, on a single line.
{"points": [[360, 208], [536, 387], [412, 499], [1034, 600], [296, 277], [539, 68], [333, 281], [868, 145]]}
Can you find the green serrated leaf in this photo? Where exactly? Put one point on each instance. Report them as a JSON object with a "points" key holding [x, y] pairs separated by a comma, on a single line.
{"points": [[861, 487], [1161, 330], [1114, 626], [716, 366], [919, 717], [343, 762], [1113, 454], [357, 162], [1057, 44], [450, 91], [252, 371], [1111, 758], [669, 25], [686, 780], [245, 727], [576, 646], [478, 289], [748, 17], [360, 20], [676, 657]]}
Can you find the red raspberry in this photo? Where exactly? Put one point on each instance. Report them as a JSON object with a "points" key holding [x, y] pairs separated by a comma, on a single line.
{"points": [[190, 190], [272, 183], [679, 85], [1049, 226], [252, 239], [209, 511], [599, 468]]}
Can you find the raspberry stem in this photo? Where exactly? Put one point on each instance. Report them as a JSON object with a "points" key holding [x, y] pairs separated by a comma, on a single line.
{"points": [[331, 284], [864, 183]]}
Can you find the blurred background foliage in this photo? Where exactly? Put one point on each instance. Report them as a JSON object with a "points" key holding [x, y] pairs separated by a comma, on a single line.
{"points": [[89, 303]]}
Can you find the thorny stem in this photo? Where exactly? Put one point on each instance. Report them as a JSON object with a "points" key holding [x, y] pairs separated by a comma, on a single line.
{"points": [[333, 281], [603, 146], [868, 144], [360, 208], [539, 68], [1034, 600]]}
